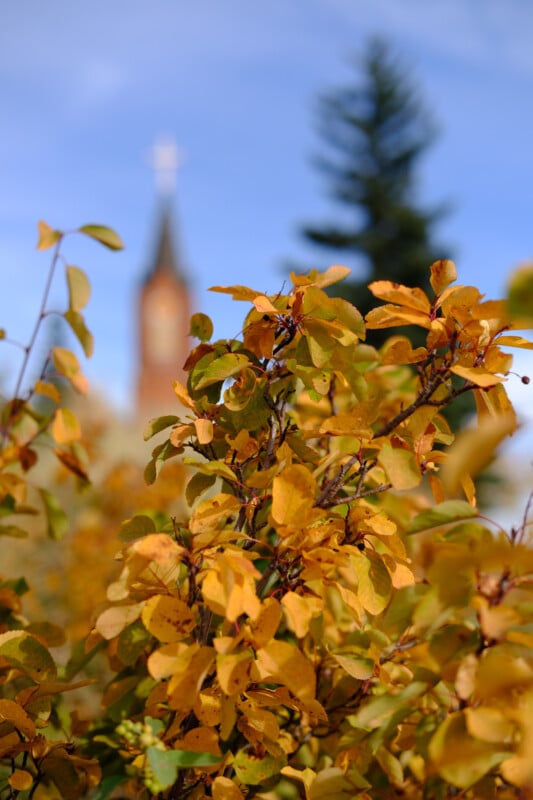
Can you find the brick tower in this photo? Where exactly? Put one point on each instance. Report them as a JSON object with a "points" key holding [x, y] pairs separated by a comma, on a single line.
{"points": [[163, 306]]}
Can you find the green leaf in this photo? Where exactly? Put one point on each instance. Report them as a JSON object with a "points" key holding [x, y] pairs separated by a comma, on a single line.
{"points": [[104, 235], [442, 514], [26, 653], [80, 331], [160, 454], [201, 327], [56, 519], [108, 786], [79, 288], [159, 424], [137, 526], [198, 484], [165, 763], [254, 771], [377, 711], [222, 368]]}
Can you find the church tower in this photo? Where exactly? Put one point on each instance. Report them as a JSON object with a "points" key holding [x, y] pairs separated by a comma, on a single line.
{"points": [[164, 305]]}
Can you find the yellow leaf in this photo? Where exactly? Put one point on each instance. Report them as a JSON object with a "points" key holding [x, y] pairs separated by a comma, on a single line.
{"points": [[359, 668], [237, 292], [299, 611], [48, 390], [188, 676], [398, 350], [515, 341], [264, 305], [158, 547], [167, 618], [401, 467], [48, 237], [265, 625], [200, 740], [208, 706], [281, 662], [390, 316], [401, 295], [293, 496], [79, 288], [224, 789], [332, 275], [489, 724], [163, 661], [204, 430], [183, 395], [66, 363], [65, 426], [477, 375], [113, 620], [443, 273], [180, 434], [210, 514], [233, 671], [474, 449]]}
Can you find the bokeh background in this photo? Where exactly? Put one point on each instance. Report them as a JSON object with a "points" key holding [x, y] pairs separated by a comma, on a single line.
{"points": [[87, 88]]}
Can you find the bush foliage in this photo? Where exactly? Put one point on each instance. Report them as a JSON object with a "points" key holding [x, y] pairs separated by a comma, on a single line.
{"points": [[334, 618]]}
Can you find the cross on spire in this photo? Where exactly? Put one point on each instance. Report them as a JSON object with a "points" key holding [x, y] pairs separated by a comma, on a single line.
{"points": [[166, 158]]}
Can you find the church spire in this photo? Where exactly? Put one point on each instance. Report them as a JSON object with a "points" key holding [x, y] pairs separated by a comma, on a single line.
{"points": [[164, 301], [165, 160]]}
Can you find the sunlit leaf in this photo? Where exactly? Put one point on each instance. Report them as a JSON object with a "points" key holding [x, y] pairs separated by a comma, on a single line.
{"points": [[264, 305], [281, 662], [104, 235], [477, 375], [293, 496], [401, 467], [167, 618], [204, 430], [113, 620], [443, 273], [48, 237], [225, 789], [79, 288]]}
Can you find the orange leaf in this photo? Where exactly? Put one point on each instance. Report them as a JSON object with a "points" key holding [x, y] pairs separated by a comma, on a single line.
{"points": [[443, 273]]}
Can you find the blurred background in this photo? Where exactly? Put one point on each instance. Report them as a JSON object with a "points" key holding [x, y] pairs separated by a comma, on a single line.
{"points": [[86, 90]]}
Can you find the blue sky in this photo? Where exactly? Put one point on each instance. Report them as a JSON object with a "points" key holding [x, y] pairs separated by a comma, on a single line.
{"points": [[86, 88]]}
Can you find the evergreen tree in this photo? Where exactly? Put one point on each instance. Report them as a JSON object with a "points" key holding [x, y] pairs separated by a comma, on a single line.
{"points": [[377, 130]]}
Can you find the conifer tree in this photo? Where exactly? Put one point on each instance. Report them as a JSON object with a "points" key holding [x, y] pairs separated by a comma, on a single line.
{"points": [[376, 130]]}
